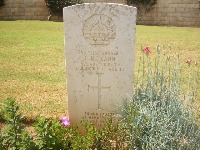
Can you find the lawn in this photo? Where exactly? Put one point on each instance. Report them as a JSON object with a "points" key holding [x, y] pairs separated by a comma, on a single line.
{"points": [[32, 61]]}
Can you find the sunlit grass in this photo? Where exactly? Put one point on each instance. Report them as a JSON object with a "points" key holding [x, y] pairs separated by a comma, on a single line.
{"points": [[32, 62]]}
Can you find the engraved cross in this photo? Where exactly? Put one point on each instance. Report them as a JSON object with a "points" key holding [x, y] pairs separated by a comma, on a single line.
{"points": [[99, 88]]}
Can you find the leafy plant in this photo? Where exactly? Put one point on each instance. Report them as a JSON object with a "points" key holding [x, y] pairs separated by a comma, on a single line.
{"points": [[2, 3], [89, 140], [143, 2], [157, 116], [57, 134], [14, 135], [113, 135], [56, 6], [143, 6], [46, 138]]}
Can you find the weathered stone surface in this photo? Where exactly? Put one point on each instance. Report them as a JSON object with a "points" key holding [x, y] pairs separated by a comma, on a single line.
{"points": [[173, 8], [99, 46], [24, 10]]}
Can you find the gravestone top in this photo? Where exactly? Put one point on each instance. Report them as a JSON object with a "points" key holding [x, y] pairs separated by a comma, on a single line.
{"points": [[99, 49]]}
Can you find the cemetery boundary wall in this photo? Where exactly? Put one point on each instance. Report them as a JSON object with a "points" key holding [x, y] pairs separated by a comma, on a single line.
{"points": [[24, 10], [165, 12], [173, 13]]}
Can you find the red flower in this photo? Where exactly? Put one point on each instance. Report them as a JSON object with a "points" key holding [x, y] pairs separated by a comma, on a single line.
{"points": [[147, 50]]}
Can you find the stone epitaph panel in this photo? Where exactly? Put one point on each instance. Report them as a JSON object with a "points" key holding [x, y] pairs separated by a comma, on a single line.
{"points": [[99, 49]]}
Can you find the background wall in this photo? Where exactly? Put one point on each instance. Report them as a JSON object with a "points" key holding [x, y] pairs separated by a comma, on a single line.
{"points": [[24, 10], [173, 12], [165, 12]]}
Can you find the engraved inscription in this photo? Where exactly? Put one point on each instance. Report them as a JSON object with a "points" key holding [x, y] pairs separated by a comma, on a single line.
{"points": [[99, 88], [99, 61], [97, 118], [99, 30]]}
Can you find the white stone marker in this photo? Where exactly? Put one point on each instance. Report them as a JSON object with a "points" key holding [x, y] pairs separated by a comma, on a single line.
{"points": [[99, 47]]}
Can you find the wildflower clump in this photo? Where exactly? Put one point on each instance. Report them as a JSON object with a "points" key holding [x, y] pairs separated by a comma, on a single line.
{"points": [[160, 115]]}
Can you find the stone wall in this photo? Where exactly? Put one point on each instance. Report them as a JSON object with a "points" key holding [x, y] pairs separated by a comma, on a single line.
{"points": [[24, 10], [173, 13], [165, 12]]}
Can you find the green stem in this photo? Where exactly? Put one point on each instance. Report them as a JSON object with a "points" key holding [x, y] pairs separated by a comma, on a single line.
{"points": [[189, 78], [143, 71], [14, 126]]}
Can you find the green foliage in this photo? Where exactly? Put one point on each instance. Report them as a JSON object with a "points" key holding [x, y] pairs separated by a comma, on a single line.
{"points": [[13, 135], [51, 134], [2, 3], [143, 2], [157, 116], [143, 6], [63, 134], [113, 135], [46, 138], [90, 140], [56, 6]]}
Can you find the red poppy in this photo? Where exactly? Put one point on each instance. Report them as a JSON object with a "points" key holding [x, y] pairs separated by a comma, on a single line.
{"points": [[147, 50]]}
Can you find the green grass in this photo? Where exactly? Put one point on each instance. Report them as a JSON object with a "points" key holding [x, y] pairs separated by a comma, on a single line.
{"points": [[32, 62]]}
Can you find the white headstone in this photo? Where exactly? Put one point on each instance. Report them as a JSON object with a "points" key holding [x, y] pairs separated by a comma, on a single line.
{"points": [[99, 47]]}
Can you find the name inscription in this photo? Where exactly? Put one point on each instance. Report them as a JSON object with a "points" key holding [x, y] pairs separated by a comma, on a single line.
{"points": [[97, 118], [99, 61]]}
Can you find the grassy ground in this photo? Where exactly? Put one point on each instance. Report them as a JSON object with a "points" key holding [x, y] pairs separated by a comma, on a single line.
{"points": [[32, 63]]}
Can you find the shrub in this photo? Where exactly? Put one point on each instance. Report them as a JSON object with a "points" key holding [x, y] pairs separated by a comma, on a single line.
{"points": [[143, 2], [157, 116], [143, 6], [56, 6], [2, 3]]}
